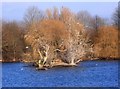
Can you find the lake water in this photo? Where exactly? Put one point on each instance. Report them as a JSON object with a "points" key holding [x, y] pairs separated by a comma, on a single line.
{"points": [[86, 74]]}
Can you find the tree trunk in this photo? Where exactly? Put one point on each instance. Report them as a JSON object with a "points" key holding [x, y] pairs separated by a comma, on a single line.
{"points": [[43, 57]]}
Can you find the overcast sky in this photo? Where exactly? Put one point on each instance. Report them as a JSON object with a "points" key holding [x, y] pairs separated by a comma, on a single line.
{"points": [[16, 11]]}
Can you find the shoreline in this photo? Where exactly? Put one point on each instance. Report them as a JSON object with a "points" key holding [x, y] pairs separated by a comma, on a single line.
{"points": [[62, 64], [86, 59]]}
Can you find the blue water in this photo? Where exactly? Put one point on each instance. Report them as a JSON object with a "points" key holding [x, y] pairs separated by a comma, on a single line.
{"points": [[86, 74]]}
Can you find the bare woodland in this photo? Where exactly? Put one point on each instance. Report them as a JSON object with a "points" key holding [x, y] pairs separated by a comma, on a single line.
{"points": [[59, 36]]}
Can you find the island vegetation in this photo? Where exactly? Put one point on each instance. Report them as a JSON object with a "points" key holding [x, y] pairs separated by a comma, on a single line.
{"points": [[59, 37]]}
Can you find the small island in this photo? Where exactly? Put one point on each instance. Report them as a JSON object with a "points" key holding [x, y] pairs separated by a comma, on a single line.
{"points": [[59, 39]]}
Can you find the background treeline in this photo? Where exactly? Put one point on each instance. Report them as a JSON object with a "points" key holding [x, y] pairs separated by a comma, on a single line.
{"points": [[67, 35]]}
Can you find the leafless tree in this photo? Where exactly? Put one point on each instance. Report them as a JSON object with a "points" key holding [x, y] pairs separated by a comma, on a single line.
{"points": [[99, 21], [85, 18], [33, 15], [116, 17], [52, 13], [77, 41]]}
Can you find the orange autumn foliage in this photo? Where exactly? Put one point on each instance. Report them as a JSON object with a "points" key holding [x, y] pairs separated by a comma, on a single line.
{"points": [[106, 45]]}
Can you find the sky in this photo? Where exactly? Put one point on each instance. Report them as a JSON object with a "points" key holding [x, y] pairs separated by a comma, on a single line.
{"points": [[16, 10]]}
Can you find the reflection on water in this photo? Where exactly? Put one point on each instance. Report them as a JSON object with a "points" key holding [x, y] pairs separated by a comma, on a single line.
{"points": [[86, 74]]}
